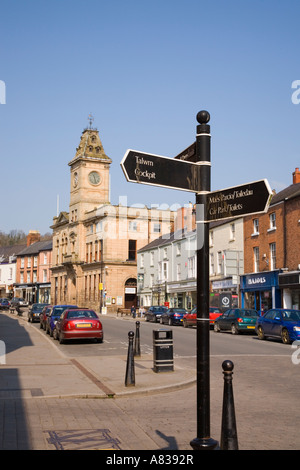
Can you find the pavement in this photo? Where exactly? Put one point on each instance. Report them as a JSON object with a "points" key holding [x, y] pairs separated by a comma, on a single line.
{"points": [[34, 371], [49, 363]]}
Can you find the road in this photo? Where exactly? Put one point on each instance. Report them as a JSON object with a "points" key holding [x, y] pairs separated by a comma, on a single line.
{"points": [[266, 385], [223, 345]]}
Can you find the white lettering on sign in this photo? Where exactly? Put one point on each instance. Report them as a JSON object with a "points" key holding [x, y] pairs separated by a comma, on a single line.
{"points": [[225, 203], [258, 280], [142, 161], [221, 197], [144, 174]]}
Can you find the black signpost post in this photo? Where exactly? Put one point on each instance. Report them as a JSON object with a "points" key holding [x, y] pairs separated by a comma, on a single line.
{"points": [[191, 171], [203, 441]]}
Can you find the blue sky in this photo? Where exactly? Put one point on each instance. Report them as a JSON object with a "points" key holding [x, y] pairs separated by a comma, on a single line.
{"points": [[143, 69]]}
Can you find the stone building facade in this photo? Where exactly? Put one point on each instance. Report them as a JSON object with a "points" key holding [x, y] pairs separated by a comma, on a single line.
{"points": [[95, 243]]}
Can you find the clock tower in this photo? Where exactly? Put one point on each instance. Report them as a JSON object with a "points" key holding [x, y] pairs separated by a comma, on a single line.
{"points": [[89, 175]]}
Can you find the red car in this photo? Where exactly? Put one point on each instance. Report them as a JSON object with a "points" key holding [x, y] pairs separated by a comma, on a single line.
{"points": [[190, 319], [43, 316], [78, 323]]}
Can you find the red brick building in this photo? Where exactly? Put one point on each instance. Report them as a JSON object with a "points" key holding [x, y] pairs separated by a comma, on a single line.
{"points": [[33, 270], [272, 252]]}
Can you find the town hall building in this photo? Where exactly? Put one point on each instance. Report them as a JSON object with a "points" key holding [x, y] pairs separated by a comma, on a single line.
{"points": [[95, 243]]}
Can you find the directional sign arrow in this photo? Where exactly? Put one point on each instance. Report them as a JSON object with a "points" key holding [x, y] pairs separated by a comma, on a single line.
{"points": [[140, 167], [250, 198]]}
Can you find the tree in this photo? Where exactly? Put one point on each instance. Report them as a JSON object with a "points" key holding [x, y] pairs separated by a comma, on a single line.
{"points": [[14, 237]]}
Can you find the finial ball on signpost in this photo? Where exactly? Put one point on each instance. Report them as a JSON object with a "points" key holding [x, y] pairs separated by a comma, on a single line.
{"points": [[203, 117]]}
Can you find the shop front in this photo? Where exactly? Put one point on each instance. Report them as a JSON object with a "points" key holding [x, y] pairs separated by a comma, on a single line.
{"points": [[224, 293], [182, 294], [44, 293], [260, 291], [289, 283]]}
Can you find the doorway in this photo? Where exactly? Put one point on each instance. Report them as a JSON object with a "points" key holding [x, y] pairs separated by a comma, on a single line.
{"points": [[130, 293]]}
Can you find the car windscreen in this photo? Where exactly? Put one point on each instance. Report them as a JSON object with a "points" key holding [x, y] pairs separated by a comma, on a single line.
{"points": [[291, 315], [81, 314], [37, 308], [57, 311], [248, 313]]}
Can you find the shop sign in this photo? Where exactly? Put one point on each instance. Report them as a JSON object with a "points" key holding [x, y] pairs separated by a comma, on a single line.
{"points": [[259, 280]]}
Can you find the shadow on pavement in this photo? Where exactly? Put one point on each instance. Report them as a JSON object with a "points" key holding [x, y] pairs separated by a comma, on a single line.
{"points": [[14, 433]]}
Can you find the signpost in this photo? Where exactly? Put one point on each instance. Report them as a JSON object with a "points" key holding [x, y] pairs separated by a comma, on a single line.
{"points": [[140, 167], [250, 198], [190, 171]]}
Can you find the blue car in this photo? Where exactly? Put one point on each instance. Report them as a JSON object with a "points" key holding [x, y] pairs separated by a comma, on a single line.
{"points": [[54, 315], [281, 323], [154, 313], [173, 316]]}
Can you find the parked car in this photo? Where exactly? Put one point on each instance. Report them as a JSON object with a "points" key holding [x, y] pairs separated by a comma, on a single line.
{"points": [[154, 313], [80, 323], [190, 319], [237, 320], [279, 323], [18, 302], [43, 316], [34, 312], [4, 304], [54, 315], [173, 316]]}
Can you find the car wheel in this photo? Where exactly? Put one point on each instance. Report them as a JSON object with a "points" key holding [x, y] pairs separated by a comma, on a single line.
{"points": [[260, 333], [285, 336], [234, 329], [217, 327], [54, 333]]}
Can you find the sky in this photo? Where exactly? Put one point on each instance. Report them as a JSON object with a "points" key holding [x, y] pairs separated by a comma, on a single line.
{"points": [[143, 70]]}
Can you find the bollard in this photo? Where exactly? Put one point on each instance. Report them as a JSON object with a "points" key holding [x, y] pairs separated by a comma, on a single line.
{"points": [[130, 375], [137, 345], [229, 439]]}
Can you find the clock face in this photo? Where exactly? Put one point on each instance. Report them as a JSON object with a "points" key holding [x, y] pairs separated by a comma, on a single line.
{"points": [[94, 177]]}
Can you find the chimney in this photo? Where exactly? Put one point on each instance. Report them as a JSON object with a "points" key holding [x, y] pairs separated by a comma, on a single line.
{"points": [[33, 236], [296, 176]]}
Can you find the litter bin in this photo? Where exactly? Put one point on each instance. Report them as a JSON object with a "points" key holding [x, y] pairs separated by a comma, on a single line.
{"points": [[163, 350]]}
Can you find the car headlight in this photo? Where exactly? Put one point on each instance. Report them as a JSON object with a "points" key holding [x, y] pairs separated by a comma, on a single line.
{"points": [[296, 328]]}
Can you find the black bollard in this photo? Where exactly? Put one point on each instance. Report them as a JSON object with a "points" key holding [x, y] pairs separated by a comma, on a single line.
{"points": [[130, 374], [229, 440], [137, 346]]}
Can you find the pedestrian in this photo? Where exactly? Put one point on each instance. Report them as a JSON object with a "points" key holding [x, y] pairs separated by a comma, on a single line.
{"points": [[133, 311], [141, 311]]}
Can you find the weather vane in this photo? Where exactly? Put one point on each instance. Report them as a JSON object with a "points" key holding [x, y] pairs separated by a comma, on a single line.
{"points": [[91, 119]]}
